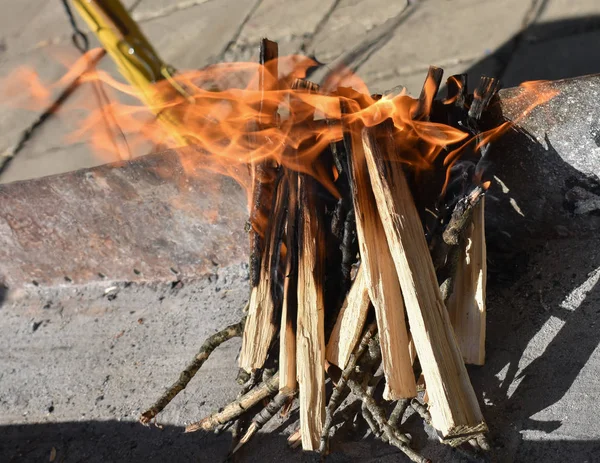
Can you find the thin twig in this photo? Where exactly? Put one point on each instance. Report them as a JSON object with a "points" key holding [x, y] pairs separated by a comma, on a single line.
{"points": [[263, 418], [421, 410], [393, 437], [186, 375], [237, 407], [339, 393]]}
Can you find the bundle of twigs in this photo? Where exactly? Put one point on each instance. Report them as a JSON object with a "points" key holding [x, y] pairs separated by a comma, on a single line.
{"points": [[380, 290]]}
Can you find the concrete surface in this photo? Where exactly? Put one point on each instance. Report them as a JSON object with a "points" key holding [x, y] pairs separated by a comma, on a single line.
{"points": [[78, 365]]}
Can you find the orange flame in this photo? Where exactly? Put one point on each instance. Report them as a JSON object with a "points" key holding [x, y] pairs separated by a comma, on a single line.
{"points": [[228, 122]]}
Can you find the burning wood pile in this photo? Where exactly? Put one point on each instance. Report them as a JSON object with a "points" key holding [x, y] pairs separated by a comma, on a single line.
{"points": [[368, 263]]}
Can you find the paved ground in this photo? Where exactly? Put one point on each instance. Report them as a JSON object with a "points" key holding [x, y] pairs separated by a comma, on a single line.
{"points": [[76, 370], [387, 43]]}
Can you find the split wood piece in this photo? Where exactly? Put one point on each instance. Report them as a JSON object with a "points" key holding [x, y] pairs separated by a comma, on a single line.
{"points": [[287, 331], [190, 371], [382, 283], [265, 173], [310, 337], [287, 334], [340, 392], [238, 407], [350, 322], [429, 91], [265, 298], [454, 407], [466, 305]]}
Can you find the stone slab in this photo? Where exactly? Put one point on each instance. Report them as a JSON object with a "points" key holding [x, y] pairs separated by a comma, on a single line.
{"points": [[145, 220]]}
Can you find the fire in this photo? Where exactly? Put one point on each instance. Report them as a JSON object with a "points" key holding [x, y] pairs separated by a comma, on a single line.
{"points": [[226, 122]]}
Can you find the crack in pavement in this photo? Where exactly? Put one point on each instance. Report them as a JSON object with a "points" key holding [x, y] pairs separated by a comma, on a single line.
{"points": [[238, 31]]}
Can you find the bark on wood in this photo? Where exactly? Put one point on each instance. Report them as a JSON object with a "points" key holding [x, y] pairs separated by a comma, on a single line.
{"points": [[310, 339], [454, 407], [466, 305], [382, 283], [350, 322]]}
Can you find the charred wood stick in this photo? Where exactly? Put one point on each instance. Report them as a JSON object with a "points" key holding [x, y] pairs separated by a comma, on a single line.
{"points": [[457, 86], [237, 407], [265, 297], [461, 217], [288, 328], [430, 88], [207, 348], [263, 172], [483, 94]]}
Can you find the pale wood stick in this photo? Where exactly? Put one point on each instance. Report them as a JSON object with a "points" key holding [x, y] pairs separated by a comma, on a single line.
{"points": [[454, 407], [350, 322], [310, 338], [237, 407], [190, 371], [381, 280], [466, 305]]}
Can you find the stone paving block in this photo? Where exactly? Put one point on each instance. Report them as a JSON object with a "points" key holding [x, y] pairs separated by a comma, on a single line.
{"points": [[444, 33], [152, 9], [52, 148], [555, 59], [29, 24], [291, 24], [13, 119], [197, 36], [349, 22], [564, 17]]}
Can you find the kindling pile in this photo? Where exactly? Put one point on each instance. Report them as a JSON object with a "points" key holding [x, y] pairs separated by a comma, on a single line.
{"points": [[368, 263]]}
